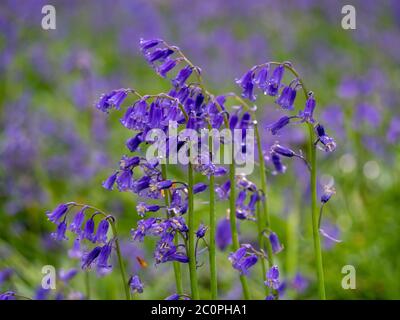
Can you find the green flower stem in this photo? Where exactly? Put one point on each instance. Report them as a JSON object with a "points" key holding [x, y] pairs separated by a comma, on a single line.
{"points": [[261, 244], [120, 261], [232, 218], [315, 215], [212, 251], [264, 219], [313, 185], [176, 265], [192, 237]]}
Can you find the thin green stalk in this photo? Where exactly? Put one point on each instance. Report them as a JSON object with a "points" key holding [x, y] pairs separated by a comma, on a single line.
{"points": [[264, 219], [176, 265], [261, 244], [315, 215], [211, 247], [192, 237], [313, 186], [232, 217], [120, 261]]}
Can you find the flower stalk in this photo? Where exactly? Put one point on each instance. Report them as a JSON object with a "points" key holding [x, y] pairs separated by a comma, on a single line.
{"points": [[212, 251], [176, 265], [192, 236]]}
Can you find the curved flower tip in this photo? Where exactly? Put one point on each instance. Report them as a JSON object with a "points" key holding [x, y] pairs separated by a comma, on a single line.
{"points": [[58, 213], [113, 99], [275, 243]]}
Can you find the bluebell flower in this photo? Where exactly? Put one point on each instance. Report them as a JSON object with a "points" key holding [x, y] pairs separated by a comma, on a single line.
{"points": [[329, 144], [133, 143], [112, 99], [300, 283], [201, 231], [59, 235], [278, 125], [199, 187], [179, 205], [66, 275], [41, 293], [286, 98], [167, 66], [223, 190], [223, 234], [243, 259], [262, 78], [178, 223], [88, 259], [129, 162], [75, 252], [135, 284], [142, 208], [244, 183], [244, 211], [143, 227], [275, 243], [88, 231], [278, 165], [182, 76], [275, 81], [308, 112], [282, 151], [327, 194], [140, 184], [135, 117], [76, 224], [103, 266], [155, 188], [272, 278], [110, 181], [5, 275], [58, 213], [159, 54], [246, 83], [8, 295], [124, 180], [174, 296], [148, 44], [102, 229], [167, 251]]}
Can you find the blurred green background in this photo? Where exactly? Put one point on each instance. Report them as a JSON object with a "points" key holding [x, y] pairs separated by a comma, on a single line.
{"points": [[56, 147]]}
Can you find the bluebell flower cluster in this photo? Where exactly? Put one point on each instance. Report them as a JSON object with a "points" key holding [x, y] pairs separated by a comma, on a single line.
{"points": [[84, 229], [271, 83]]}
